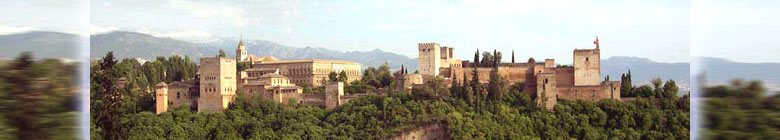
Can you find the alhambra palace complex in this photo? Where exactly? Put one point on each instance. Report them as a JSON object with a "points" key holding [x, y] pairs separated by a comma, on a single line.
{"points": [[218, 80]]}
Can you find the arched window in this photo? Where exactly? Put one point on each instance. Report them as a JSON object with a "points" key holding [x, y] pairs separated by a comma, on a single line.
{"points": [[178, 95]]}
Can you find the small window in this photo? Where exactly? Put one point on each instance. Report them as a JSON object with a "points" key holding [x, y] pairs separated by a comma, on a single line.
{"points": [[586, 59]]}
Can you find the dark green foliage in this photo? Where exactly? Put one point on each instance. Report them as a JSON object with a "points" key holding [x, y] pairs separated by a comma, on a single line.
{"points": [[241, 66], [738, 111], [375, 78], [626, 87], [343, 77], [333, 76], [221, 53], [111, 99], [467, 110], [37, 99]]}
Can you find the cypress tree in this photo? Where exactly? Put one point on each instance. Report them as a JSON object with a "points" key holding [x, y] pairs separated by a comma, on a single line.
{"points": [[476, 58]]}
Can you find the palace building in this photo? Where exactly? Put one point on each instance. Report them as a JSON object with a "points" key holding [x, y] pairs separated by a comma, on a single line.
{"points": [[543, 79], [313, 72], [218, 82]]}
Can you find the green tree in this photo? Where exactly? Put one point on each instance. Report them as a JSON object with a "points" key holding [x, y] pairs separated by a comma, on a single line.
{"points": [[657, 83], [27, 107], [476, 59], [645, 91], [221, 53], [342, 77], [333, 76], [670, 89], [111, 99]]}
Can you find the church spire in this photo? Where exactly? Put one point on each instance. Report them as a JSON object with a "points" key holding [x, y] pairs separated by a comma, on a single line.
{"points": [[241, 42]]}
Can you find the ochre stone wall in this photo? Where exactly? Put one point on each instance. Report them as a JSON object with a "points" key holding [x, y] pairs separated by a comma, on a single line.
{"points": [[564, 76], [607, 90], [217, 83], [547, 90], [429, 58], [161, 92], [317, 100], [180, 94], [587, 67]]}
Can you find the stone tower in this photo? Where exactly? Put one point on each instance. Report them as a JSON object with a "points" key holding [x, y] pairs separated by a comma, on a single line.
{"points": [[241, 53], [161, 93], [217, 83], [429, 58], [546, 90], [587, 67], [333, 93]]}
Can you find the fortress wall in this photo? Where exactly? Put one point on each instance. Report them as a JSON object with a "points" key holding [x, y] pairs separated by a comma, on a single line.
{"points": [[565, 76], [179, 95], [607, 90], [512, 74], [317, 100]]}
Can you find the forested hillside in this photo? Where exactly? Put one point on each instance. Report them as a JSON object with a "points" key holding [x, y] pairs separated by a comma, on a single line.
{"points": [[496, 110]]}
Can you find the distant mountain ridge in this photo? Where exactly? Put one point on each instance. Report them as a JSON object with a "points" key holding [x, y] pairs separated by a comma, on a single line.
{"points": [[719, 70], [138, 45], [643, 70], [43, 44]]}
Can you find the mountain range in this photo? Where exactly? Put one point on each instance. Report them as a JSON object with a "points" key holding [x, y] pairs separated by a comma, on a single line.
{"points": [[42, 44], [138, 45], [719, 71]]}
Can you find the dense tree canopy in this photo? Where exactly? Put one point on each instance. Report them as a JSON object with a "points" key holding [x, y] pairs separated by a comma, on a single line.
{"points": [[37, 99], [467, 110], [740, 111]]}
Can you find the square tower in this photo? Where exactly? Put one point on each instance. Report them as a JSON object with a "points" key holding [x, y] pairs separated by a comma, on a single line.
{"points": [[161, 92], [429, 58], [546, 90], [217, 83], [587, 67]]}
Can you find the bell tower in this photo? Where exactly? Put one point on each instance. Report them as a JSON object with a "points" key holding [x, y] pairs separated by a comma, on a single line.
{"points": [[241, 53]]}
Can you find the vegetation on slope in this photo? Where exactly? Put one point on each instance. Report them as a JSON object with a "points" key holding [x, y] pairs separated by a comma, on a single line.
{"points": [[468, 110], [37, 99], [740, 111]]}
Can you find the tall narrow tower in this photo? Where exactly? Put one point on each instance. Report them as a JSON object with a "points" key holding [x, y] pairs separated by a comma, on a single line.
{"points": [[161, 93], [429, 58], [241, 51]]}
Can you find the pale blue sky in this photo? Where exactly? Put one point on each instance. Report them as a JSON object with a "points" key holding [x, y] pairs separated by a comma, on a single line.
{"points": [[743, 31], [70, 16], [655, 29]]}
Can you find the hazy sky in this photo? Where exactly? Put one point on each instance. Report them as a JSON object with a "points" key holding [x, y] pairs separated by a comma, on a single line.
{"points": [[655, 29], [70, 16], [743, 31]]}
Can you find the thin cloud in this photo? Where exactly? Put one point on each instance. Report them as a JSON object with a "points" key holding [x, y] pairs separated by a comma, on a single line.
{"points": [[8, 29], [227, 13], [179, 34], [95, 29]]}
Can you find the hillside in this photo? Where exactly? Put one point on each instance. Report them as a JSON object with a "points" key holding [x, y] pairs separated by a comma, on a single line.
{"points": [[643, 70], [137, 45], [43, 44]]}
